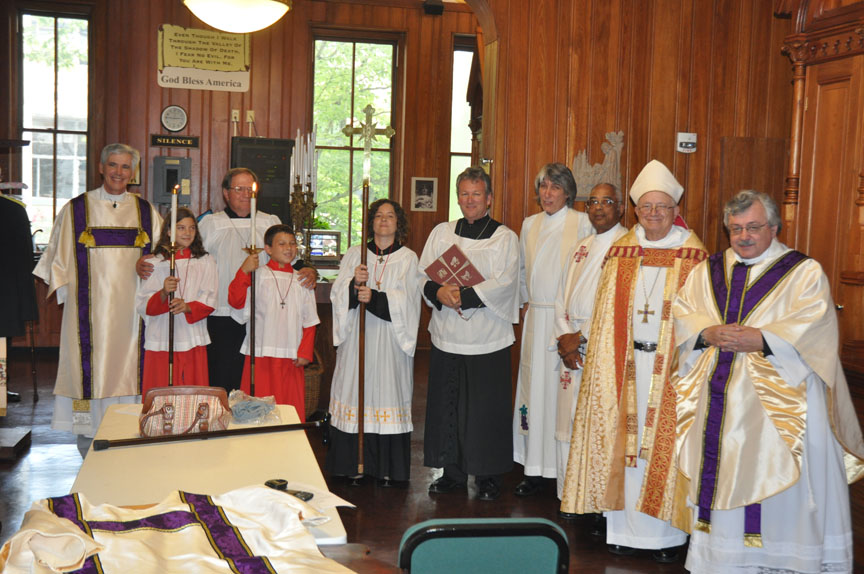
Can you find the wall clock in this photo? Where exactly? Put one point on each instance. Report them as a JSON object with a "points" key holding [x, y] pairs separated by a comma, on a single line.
{"points": [[174, 118]]}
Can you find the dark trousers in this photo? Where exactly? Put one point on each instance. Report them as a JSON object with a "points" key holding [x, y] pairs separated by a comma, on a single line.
{"points": [[224, 360]]}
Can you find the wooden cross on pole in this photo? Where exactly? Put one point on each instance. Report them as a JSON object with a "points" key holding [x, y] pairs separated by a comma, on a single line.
{"points": [[367, 132]]}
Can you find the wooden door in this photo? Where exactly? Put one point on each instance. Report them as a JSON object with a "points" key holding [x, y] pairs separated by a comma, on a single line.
{"points": [[831, 203]]}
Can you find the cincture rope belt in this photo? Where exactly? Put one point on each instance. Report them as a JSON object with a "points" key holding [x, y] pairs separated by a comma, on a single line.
{"points": [[645, 346]]}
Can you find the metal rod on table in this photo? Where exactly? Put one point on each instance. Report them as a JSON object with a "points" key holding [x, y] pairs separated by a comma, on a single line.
{"points": [[32, 325], [103, 444]]}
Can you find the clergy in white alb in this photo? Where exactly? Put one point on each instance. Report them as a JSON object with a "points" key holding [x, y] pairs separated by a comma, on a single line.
{"points": [[392, 304], [574, 304], [767, 432], [622, 447], [225, 235], [90, 262], [468, 405], [546, 240]]}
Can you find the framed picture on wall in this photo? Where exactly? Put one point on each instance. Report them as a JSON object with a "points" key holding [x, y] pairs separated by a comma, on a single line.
{"points": [[424, 194]]}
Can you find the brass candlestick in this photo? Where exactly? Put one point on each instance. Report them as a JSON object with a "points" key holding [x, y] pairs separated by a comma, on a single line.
{"points": [[303, 215]]}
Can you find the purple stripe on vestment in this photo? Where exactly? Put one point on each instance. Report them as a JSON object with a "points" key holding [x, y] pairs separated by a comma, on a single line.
{"points": [[224, 537], [85, 341], [120, 237], [717, 271], [68, 507], [165, 521], [753, 519], [770, 279], [717, 390]]}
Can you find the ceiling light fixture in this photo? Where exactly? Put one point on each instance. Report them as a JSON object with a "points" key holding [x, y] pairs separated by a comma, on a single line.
{"points": [[239, 16]]}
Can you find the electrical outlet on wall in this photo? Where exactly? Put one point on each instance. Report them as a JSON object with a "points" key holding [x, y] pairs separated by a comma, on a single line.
{"points": [[235, 115], [250, 116]]}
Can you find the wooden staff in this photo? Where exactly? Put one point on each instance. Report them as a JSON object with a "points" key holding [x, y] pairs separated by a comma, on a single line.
{"points": [[172, 269], [103, 444], [361, 347], [252, 250]]}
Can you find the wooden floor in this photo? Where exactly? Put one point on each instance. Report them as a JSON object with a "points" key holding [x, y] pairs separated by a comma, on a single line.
{"points": [[374, 528]]}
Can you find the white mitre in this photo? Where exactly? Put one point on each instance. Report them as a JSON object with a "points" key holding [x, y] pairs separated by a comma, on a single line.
{"points": [[656, 177]]}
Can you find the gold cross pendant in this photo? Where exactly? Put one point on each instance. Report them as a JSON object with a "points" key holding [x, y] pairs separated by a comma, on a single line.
{"points": [[380, 259], [378, 285], [645, 313]]}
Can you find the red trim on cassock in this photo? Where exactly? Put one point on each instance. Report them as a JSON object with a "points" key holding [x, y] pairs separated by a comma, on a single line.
{"points": [[155, 305], [306, 350], [197, 311], [238, 288]]}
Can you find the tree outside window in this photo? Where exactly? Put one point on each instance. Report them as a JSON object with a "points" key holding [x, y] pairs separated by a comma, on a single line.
{"points": [[54, 92], [348, 76]]}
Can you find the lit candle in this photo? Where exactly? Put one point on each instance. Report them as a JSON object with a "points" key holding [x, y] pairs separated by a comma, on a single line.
{"points": [[253, 202], [174, 214]]}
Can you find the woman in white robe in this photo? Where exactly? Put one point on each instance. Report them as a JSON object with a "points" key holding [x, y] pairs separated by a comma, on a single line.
{"points": [[392, 297]]}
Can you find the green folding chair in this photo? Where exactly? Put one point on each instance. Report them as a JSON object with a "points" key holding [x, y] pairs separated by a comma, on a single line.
{"points": [[476, 545]]}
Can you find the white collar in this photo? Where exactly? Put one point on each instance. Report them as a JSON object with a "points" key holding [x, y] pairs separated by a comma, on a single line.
{"points": [[102, 193], [675, 238], [774, 250]]}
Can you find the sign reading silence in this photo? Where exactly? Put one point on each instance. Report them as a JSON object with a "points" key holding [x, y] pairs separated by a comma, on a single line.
{"points": [[202, 59]]}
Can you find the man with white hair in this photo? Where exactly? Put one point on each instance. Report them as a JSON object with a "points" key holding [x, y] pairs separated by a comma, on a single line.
{"points": [[622, 448], [768, 435], [90, 261], [546, 240]]}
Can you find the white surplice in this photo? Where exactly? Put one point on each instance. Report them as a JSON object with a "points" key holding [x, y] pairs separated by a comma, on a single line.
{"points": [[486, 329], [115, 324], [630, 527], [574, 304], [197, 283], [278, 327], [545, 241], [389, 365], [224, 238]]}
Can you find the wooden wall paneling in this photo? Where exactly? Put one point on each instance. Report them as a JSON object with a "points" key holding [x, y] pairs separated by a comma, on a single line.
{"points": [[640, 32], [576, 49], [824, 202]]}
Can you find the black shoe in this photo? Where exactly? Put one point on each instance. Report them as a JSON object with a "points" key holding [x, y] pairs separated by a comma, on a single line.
{"points": [[567, 515], [446, 485], [355, 480], [13, 397], [598, 526], [621, 550], [665, 555], [529, 486], [488, 490]]}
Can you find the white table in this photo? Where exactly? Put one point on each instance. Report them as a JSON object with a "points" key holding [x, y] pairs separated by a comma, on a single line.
{"points": [[146, 474]]}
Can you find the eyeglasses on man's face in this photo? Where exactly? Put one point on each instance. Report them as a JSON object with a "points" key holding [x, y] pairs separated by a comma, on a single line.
{"points": [[240, 189], [751, 229], [605, 202], [660, 208]]}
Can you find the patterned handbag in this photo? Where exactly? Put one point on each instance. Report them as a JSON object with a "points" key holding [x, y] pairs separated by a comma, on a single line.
{"points": [[184, 410]]}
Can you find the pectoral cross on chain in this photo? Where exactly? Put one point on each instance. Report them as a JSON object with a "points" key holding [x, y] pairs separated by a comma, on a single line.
{"points": [[645, 313], [367, 132]]}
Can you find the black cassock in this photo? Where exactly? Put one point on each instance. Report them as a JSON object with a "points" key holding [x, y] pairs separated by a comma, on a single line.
{"points": [[17, 290]]}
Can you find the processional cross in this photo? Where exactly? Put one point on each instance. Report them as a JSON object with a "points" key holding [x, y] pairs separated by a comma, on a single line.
{"points": [[367, 132]]}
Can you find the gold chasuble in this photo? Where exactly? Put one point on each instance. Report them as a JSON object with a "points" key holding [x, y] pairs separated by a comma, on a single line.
{"points": [[605, 428], [764, 419]]}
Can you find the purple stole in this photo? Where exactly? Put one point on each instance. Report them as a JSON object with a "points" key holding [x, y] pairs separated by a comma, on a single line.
{"points": [[225, 540], [102, 237], [735, 301]]}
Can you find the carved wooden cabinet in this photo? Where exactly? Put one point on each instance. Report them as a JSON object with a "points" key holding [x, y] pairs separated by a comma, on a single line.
{"points": [[823, 211]]}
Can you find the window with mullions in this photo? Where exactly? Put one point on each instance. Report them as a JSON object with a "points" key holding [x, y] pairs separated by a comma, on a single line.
{"points": [[460, 118], [349, 75], [54, 90]]}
